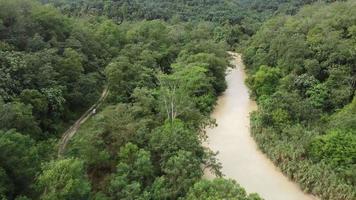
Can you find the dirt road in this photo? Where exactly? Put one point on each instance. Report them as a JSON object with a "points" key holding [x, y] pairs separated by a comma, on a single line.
{"points": [[73, 129]]}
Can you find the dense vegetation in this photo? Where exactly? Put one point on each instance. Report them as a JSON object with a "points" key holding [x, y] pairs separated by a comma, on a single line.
{"points": [[231, 11], [51, 69], [144, 144], [302, 73], [164, 63], [235, 20]]}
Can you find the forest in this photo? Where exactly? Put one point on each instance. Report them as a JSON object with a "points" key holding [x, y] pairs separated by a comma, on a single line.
{"points": [[302, 73], [164, 64]]}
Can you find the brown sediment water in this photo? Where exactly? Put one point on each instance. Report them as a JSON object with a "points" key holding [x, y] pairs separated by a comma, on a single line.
{"points": [[238, 153]]}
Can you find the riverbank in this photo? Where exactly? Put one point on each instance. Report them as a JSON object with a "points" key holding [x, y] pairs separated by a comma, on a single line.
{"points": [[240, 157]]}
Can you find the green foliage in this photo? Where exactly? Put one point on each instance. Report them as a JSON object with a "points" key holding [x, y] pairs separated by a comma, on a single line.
{"points": [[19, 116], [134, 172], [176, 91], [181, 171], [172, 137], [164, 76], [20, 163], [336, 148], [48, 56], [22, 198], [163, 86], [239, 18], [104, 136], [345, 118], [308, 104], [288, 151], [37, 100], [317, 96], [50, 71], [70, 67], [214, 65], [122, 77], [5, 184], [219, 189], [264, 81], [64, 179]]}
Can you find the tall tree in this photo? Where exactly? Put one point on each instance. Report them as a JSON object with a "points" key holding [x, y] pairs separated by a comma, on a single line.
{"points": [[64, 179]]}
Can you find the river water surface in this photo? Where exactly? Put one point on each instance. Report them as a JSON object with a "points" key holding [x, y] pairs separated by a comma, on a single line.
{"points": [[241, 160]]}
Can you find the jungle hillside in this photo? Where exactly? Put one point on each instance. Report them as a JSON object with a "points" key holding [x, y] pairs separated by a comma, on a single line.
{"points": [[146, 75]]}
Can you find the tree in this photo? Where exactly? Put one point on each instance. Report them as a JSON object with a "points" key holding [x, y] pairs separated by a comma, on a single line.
{"points": [[214, 63], [264, 81], [305, 96], [13, 69], [219, 189], [183, 92], [123, 78], [134, 173], [97, 143], [19, 116], [37, 100], [56, 101], [173, 95], [20, 162], [6, 186], [64, 179], [172, 137], [345, 118], [36, 43], [119, 125], [70, 67], [181, 171], [318, 96], [337, 148], [85, 91]]}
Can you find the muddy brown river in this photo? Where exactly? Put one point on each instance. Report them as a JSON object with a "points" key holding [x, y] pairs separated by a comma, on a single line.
{"points": [[241, 160]]}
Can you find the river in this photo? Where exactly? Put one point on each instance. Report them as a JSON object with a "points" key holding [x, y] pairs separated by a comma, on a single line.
{"points": [[241, 160]]}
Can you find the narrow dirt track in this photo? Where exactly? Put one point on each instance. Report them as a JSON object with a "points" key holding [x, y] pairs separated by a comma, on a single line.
{"points": [[240, 157], [67, 135]]}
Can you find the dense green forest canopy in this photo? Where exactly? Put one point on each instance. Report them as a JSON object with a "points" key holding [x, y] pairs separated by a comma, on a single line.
{"points": [[164, 63], [51, 68], [163, 80], [302, 73], [231, 11], [237, 19]]}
